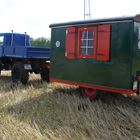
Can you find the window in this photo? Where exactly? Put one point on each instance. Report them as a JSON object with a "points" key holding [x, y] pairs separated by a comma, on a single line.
{"points": [[87, 42], [1, 40]]}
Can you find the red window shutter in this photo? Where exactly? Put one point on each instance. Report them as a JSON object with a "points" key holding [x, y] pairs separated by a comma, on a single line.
{"points": [[103, 48], [70, 43]]}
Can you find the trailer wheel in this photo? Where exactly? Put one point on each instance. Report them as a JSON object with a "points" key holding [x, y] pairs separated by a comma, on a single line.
{"points": [[45, 75], [19, 73], [88, 93]]}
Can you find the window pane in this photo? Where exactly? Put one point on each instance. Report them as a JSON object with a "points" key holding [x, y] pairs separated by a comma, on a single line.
{"points": [[90, 35], [1, 40], [90, 51], [90, 43], [83, 42], [84, 34], [83, 51]]}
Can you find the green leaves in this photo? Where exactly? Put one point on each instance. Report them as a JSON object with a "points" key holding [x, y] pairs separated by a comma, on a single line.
{"points": [[40, 42]]}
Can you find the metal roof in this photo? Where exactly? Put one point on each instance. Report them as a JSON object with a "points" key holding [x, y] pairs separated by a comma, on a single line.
{"points": [[2, 34], [97, 21]]}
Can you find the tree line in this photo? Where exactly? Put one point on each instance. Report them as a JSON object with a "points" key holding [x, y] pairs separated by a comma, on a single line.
{"points": [[40, 42]]}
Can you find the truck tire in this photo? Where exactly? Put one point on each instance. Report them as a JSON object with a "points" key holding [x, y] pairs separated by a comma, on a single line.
{"points": [[24, 77], [19, 73], [45, 75]]}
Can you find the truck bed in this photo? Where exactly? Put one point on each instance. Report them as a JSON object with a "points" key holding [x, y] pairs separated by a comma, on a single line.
{"points": [[24, 52]]}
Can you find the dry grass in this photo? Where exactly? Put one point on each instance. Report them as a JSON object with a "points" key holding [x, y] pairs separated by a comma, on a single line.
{"points": [[41, 111]]}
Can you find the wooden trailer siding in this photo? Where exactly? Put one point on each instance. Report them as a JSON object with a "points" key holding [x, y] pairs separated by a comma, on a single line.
{"points": [[115, 72], [136, 49]]}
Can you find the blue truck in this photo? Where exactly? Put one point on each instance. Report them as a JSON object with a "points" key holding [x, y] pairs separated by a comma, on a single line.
{"points": [[17, 55]]}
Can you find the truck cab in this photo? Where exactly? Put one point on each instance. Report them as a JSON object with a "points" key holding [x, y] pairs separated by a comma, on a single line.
{"points": [[11, 40], [14, 39]]}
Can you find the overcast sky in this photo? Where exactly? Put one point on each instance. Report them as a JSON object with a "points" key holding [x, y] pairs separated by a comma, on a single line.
{"points": [[35, 16]]}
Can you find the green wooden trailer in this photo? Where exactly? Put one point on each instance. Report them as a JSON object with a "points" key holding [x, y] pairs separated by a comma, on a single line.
{"points": [[102, 54]]}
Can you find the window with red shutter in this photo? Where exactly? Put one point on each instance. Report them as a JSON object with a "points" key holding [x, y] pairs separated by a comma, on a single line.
{"points": [[87, 42], [103, 48], [70, 43], [93, 42]]}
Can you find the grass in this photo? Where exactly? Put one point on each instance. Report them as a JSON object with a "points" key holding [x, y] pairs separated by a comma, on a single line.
{"points": [[41, 111]]}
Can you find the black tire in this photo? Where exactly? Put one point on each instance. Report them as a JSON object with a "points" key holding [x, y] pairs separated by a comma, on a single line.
{"points": [[19, 73], [0, 67], [24, 77], [45, 75], [15, 73]]}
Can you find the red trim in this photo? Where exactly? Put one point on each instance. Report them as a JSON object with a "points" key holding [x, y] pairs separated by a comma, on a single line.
{"points": [[103, 49], [79, 42], [115, 90], [70, 43]]}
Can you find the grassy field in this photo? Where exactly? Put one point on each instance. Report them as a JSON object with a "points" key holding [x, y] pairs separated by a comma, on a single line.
{"points": [[41, 111]]}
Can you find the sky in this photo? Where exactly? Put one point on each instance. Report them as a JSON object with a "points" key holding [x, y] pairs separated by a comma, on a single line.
{"points": [[35, 16]]}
